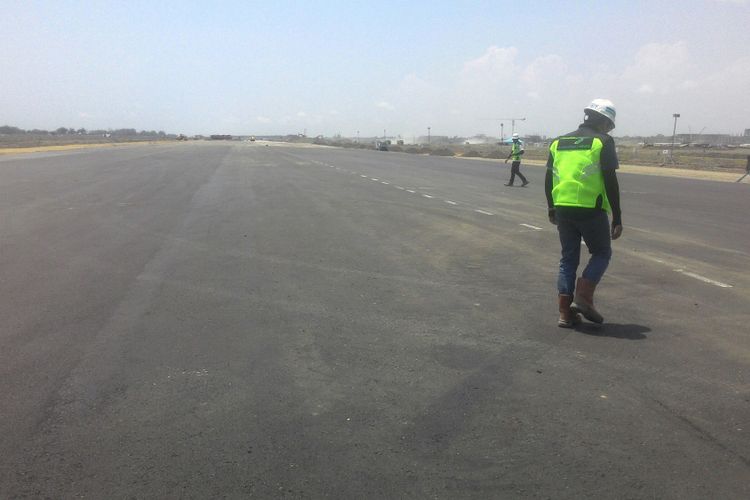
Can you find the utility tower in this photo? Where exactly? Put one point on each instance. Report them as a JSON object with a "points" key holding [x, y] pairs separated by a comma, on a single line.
{"points": [[674, 132], [512, 123], [502, 125]]}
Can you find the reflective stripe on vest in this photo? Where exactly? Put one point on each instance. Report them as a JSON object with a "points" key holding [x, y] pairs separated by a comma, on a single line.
{"points": [[577, 179]]}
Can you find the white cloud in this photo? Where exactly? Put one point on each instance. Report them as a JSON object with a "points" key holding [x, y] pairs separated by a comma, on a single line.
{"points": [[301, 114], [263, 119], [497, 63], [645, 89], [659, 68], [668, 80], [413, 87], [544, 70], [689, 85], [729, 86], [551, 92], [487, 85]]}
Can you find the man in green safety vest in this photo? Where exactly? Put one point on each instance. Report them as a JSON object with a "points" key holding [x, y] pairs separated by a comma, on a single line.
{"points": [[581, 188], [516, 150]]}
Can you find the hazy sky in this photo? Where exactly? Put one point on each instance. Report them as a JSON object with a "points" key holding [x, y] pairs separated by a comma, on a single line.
{"points": [[277, 67]]}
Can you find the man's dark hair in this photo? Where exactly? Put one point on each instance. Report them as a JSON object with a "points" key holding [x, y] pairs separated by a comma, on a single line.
{"points": [[594, 118], [597, 120]]}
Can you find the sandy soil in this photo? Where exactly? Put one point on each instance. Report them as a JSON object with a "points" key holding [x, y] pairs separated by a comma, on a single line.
{"points": [[67, 147], [707, 175]]}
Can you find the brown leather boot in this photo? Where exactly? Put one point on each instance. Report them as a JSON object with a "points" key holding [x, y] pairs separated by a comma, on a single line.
{"points": [[583, 302], [568, 319]]}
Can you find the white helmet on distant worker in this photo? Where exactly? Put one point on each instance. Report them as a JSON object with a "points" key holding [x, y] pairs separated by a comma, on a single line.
{"points": [[604, 107], [515, 135]]}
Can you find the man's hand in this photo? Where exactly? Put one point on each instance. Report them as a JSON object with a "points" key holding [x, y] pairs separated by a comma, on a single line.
{"points": [[551, 216], [616, 231]]}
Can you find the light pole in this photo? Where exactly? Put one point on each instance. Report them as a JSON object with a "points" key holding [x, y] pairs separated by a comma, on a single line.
{"points": [[357, 136], [428, 135], [674, 131]]}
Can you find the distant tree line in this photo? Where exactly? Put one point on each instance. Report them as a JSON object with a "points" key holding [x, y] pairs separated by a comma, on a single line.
{"points": [[121, 132]]}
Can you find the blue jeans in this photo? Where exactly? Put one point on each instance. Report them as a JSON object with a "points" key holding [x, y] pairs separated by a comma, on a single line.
{"points": [[596, 233]]}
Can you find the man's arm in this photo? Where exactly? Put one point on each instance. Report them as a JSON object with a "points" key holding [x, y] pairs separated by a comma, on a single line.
{"points": [[613, 195], [610, 163]]}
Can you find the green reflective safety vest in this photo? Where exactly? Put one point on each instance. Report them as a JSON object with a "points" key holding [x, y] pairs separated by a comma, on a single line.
{"points": [[515, 151], [577, 179]]}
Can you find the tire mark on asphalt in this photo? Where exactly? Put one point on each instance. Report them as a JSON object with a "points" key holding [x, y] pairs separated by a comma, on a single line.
{"points": [[704, 434]]}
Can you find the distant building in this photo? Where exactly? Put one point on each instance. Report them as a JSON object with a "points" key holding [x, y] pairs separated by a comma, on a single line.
{"points": [[439, 139], [714, 139], [747, 132], [481, 139]]}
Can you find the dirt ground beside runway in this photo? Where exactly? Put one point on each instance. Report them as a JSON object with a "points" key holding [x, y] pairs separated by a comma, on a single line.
{"points": [[683, 173], [70, 147]]}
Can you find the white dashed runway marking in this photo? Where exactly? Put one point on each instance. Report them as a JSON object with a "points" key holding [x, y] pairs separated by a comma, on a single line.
{"points": [[530, 226], [703, 278]]}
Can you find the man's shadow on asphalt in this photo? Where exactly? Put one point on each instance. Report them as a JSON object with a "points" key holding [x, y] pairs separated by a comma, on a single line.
{"points": [[614, 330]]}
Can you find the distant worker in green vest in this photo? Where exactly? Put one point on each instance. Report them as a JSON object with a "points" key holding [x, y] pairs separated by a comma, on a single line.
{"points": [[516, 150], [581, 188]]}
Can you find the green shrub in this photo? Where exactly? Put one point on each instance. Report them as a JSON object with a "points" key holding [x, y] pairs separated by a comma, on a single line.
{"points": [[441, 152], [496, 154]]}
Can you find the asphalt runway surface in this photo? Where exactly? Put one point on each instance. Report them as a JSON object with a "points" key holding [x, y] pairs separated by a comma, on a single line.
{"points": [[235, 320]]}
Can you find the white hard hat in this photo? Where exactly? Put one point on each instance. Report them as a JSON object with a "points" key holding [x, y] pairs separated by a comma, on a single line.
{"points": [[515, 135], [604, 107]]}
